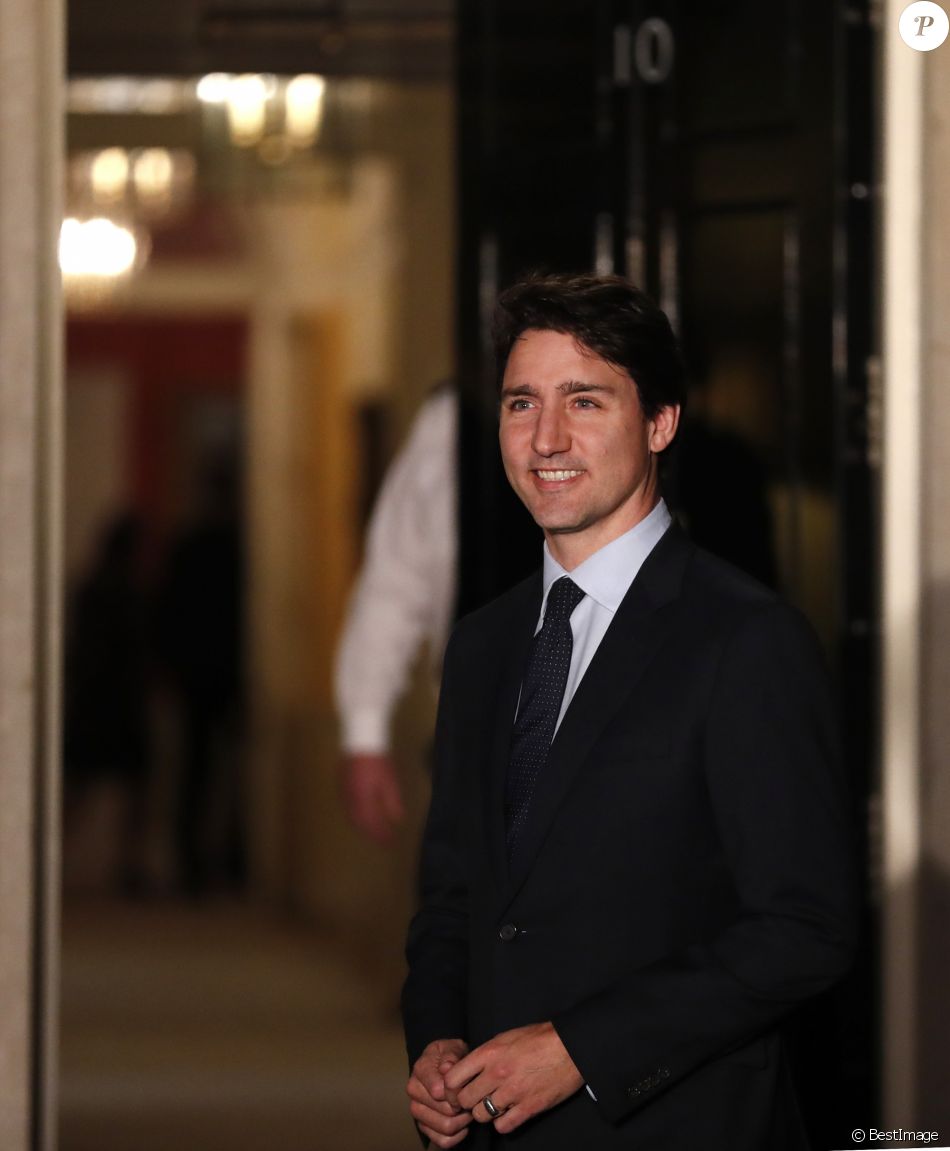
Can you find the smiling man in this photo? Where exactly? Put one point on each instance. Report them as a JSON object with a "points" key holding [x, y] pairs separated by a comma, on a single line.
{"points": [[636, 860]]}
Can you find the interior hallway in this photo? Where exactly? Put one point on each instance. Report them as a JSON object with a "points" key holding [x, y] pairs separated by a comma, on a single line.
{"points": [[222, 1028]]}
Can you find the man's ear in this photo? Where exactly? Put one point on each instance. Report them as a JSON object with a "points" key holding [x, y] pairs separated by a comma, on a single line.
{"points": [[663, 427]]}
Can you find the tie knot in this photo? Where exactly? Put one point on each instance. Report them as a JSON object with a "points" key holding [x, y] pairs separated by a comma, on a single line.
{"points": [[563, 597]]}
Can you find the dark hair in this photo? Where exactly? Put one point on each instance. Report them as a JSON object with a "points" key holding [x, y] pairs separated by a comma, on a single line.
{"points": [[606, 315]]}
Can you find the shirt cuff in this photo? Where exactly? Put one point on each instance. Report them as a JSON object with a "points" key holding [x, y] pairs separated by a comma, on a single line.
{"points": [[365, 731]]}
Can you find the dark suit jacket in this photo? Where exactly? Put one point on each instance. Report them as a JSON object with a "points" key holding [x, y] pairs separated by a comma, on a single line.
{"points": [[684, 878]]}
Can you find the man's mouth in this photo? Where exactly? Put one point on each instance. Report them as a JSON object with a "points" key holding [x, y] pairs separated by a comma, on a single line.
{"points": [[556, 476]]}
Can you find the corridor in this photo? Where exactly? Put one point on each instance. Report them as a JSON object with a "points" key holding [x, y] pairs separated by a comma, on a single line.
{"points": [[220, 1028]]}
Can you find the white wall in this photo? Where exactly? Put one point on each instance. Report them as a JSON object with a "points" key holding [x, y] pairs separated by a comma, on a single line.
{"points": [[31, 68], [934, 993]]}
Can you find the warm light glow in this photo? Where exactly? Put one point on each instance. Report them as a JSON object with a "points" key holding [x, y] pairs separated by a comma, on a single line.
{"points": [[247, 108], [274, 151], [158, 97], [153, 173], [304, 108], [110, 173], [116, 94], [96, 247], [129, 95], [213, 88]]}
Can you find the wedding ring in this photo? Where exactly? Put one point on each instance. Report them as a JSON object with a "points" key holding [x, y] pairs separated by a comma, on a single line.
{"points": [[490, 1107]]}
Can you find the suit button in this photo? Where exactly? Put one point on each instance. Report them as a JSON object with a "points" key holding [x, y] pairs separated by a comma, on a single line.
{"points": [[633, 1092], [508, 932], [664, 1073]]}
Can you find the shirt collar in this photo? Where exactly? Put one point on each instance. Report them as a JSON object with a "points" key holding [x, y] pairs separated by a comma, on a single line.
{"points": [[606, 575]]}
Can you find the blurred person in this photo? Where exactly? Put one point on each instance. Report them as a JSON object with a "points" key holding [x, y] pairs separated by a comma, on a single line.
{"points": [[404, 598], [730, 514], [723, 457], [200, 644], [105, 704], [636, 861]]}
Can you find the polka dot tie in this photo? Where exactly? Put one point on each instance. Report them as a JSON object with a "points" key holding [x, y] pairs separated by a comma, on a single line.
{"points": [[542, 692]]}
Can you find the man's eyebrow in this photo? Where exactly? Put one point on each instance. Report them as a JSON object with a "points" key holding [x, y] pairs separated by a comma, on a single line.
{"points": [[568, 388]]}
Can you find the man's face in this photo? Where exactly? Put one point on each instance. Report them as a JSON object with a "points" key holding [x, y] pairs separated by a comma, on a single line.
{"points": [[576, 446]]}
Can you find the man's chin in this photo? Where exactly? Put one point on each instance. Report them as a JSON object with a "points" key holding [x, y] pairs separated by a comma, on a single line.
{"points": [[560, 527], [556, 520]]}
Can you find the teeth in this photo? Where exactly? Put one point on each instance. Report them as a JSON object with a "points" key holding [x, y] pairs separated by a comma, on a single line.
{"points": [[559, 475]]}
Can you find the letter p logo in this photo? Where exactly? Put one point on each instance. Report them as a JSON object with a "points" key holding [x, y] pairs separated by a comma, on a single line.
{"points": [[924, 26]]}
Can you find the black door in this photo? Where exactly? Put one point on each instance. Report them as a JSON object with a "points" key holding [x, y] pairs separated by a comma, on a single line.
{"points": [[719, 155]]}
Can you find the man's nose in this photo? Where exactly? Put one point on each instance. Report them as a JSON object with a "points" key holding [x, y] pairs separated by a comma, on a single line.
{"points": [[551, 433]]}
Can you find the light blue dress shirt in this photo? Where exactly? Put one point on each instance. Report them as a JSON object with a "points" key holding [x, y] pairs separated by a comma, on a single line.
{"points": [[605, 578]]}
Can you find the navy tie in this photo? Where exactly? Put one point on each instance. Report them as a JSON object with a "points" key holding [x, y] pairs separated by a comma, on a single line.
{"points": [[542, 692]]}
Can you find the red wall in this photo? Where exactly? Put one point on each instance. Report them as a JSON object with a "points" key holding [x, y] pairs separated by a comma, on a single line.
{"points": [[164, 359]]}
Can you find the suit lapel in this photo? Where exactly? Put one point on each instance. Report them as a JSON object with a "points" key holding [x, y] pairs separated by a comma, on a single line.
{"points": [[634, 635]]}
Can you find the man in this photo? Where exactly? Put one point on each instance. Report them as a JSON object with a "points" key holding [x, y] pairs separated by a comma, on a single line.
{"points": [[615, 921]]}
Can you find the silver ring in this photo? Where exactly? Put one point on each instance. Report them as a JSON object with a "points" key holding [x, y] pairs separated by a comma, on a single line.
{"points": [[490, 1107]]}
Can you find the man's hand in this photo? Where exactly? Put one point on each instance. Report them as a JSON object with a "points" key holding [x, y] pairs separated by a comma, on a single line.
{"points": [[442, 1121], [371, 795], [524, 1071]]}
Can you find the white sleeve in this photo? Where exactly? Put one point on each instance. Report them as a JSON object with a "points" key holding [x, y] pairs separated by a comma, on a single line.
{"points": [[404, 594]]}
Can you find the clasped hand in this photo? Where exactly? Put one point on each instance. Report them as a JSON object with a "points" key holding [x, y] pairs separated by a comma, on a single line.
{"points": [[523, 1072]]}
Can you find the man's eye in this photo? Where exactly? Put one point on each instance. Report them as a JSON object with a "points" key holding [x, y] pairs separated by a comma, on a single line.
{"points": [[585, 402], [520, 405]]}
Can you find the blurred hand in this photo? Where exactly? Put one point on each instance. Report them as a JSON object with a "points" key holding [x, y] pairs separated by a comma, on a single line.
{"points": [[445, 1123], [525, 1071], [371, 795]]}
